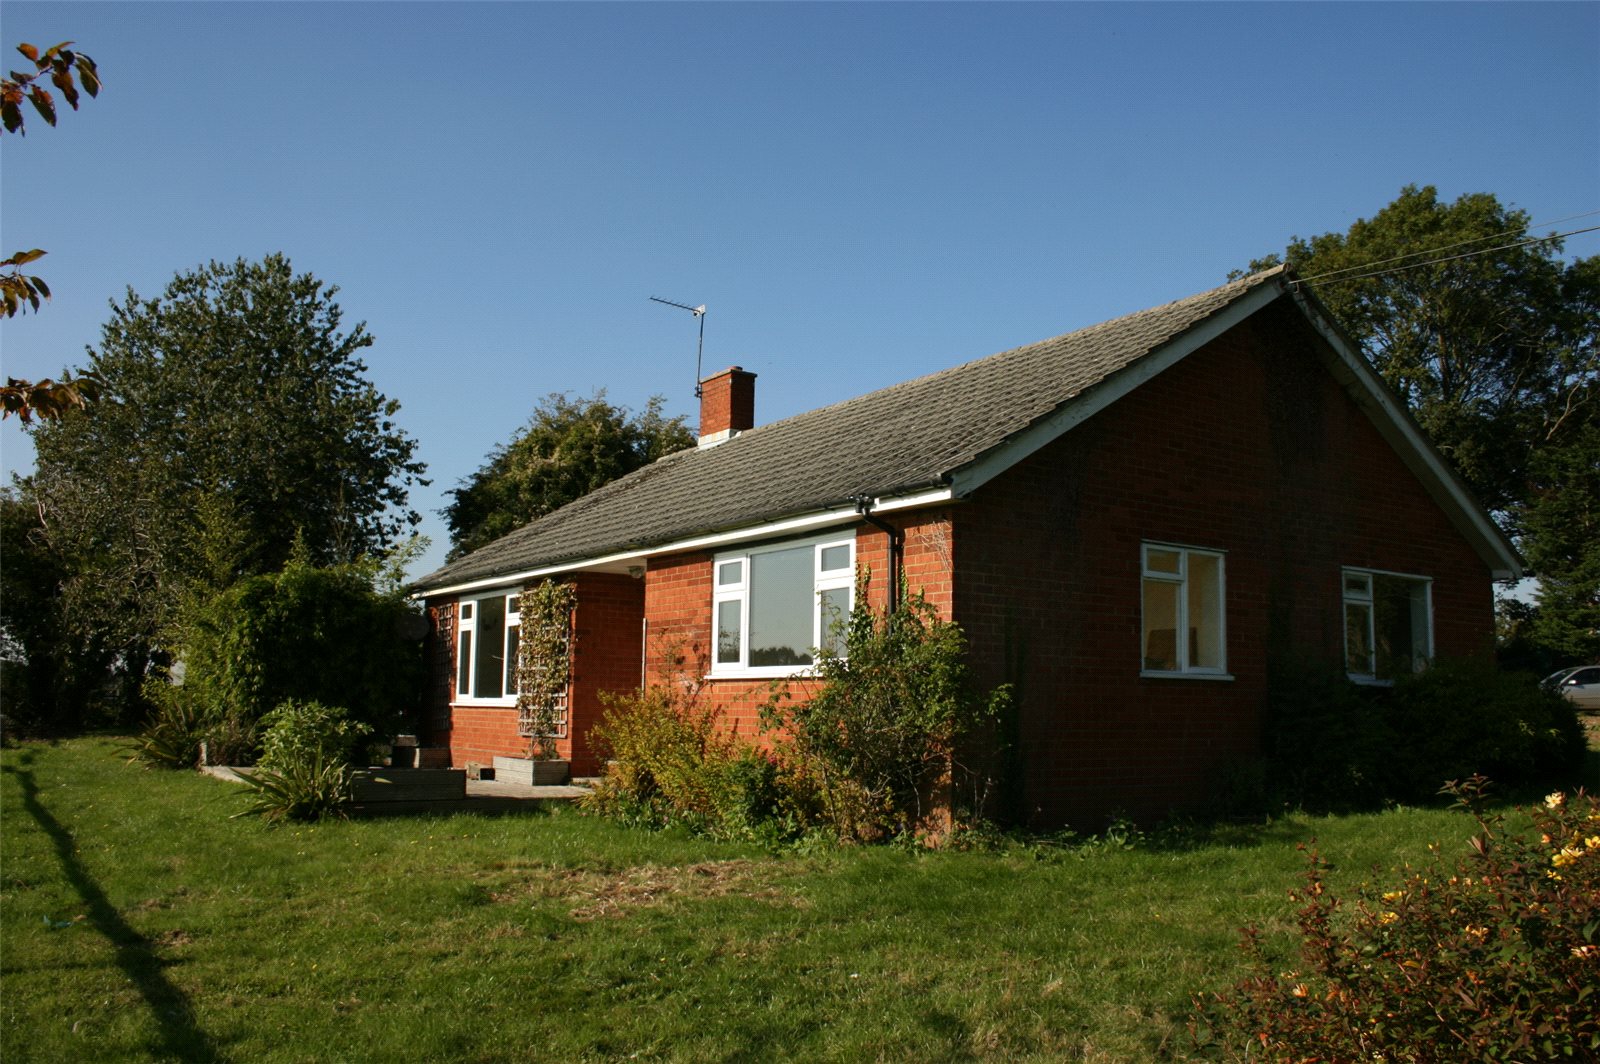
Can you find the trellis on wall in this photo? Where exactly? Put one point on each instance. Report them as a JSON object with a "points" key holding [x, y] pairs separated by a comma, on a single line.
{"points": [[544, 664]]}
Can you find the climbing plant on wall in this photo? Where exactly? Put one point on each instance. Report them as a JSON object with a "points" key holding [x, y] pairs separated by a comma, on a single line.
{"points": [[544, 664]]}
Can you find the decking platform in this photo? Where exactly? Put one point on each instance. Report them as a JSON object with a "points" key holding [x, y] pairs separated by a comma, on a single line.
{"points": [[386, 792]]}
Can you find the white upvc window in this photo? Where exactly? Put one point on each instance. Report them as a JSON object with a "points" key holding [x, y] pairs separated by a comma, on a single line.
{"points": [[1388, 624], [487, 628], [1184, 630], [774, 606]]}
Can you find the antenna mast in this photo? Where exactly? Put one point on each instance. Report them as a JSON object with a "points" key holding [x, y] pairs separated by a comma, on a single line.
{"points": [[699, 312]]}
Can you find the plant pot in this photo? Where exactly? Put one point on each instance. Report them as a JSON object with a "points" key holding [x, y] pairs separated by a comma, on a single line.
{"points": [[529, 772]]}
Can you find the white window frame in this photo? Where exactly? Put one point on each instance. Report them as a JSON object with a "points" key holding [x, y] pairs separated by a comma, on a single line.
{"points": [[734, 567], [1367, 597], [467, 624], [1180, 579]]}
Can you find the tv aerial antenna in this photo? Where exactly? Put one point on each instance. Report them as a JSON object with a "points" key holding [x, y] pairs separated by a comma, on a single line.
{"points": [[699, 312]]}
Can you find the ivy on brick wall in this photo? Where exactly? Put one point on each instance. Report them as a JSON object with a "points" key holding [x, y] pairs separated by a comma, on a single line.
{"points": [[544, 664]]}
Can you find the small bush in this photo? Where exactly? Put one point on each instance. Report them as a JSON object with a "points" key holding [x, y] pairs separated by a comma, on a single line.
{"points": [[302, 789], [1495, 956], [881, 730], [172, 736], [671, 763], [1328, 744], [1335, 746], [299, 733], [1459, 718]]}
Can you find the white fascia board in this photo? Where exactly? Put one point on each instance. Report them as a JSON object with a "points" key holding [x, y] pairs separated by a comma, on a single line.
{"points": [[839, 515], [1438, 479], [1052, 427]]}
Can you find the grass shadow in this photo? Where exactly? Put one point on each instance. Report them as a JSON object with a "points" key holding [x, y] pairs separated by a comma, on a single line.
{"points": [[180, 1036]]}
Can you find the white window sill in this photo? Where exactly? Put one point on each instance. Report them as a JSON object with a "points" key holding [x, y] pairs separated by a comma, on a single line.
{"points": [[776, 672], [484, 703], [1166, 674], [1368, 681]]}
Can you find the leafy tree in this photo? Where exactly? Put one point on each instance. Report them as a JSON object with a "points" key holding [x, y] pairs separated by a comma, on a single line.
{"points": [[1561, 522], [569, 448], [1491, 340], [241, 420], [19, 291]]}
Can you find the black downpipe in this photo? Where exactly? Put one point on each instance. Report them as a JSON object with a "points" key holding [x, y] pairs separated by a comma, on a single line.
{"points": [[897, 544]]}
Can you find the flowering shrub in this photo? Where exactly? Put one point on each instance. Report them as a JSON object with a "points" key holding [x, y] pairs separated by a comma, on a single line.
{"points": [[669, 762], [1494, 958]]}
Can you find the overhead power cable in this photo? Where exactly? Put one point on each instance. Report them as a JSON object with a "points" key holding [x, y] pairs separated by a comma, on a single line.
{"points": [[1337, 278]]}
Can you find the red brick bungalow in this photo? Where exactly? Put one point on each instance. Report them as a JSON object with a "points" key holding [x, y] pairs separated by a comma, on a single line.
{"points": [[1128, 521]]}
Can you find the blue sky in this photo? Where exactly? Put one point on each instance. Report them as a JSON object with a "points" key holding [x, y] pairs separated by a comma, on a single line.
{"points": [[859, 193]]}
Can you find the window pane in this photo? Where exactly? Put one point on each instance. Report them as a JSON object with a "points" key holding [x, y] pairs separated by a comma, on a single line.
{"points": [[1397, 625], [729, 573], [1157, 560], [1160, 625], [728, 633], [1358, 584], [513, 603], [466, 611], [1205, 612], [491, 647], [513, 631], [1357, 638], [833, 606], [834, 558], [464, 664], [780, 607]]}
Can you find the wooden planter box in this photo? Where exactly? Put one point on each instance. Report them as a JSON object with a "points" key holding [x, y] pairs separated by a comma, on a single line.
{"points": [[529, 772]]}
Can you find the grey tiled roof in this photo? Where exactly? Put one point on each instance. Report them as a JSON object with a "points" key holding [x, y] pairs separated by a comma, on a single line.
{"points": [[897, 440]]}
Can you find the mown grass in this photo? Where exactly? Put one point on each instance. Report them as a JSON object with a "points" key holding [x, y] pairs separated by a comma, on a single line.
{"points": [[140, 922]]}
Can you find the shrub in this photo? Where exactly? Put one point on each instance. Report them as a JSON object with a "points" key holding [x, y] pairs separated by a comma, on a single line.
{"points": [[172, 736], [1495, 956], [1335, 746], [881, 730], [1464, 717], [298, 733], [671, 763], [1327, 742], [306, 634], [303, 788]]}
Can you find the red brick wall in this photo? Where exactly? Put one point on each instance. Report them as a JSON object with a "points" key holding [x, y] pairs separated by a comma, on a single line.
{"points": [[728, 401], [678, 605], [1247, 446], [605, 657], [607, 639]]}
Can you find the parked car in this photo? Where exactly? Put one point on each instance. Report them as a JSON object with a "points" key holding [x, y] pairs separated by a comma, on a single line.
{"points": [[1580, 686]]}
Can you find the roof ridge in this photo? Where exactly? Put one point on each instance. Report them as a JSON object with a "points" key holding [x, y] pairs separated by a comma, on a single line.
{"points": [[1243, 284]]}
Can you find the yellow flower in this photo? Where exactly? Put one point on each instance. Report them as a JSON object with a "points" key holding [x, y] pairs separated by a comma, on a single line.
{"points": [[1478, 933], [1393, 895], [1592, 842], [1585, 953], [1388, 918], [1555, 800]]}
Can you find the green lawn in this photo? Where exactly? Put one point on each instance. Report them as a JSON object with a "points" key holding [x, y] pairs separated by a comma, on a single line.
{"points": [[140, 922]]}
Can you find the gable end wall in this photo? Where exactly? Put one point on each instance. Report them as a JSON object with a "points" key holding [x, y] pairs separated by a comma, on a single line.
{"points": [[1247, 446]]}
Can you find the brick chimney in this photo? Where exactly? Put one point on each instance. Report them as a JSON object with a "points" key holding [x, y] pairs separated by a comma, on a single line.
{"points": [[727, 405]]}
